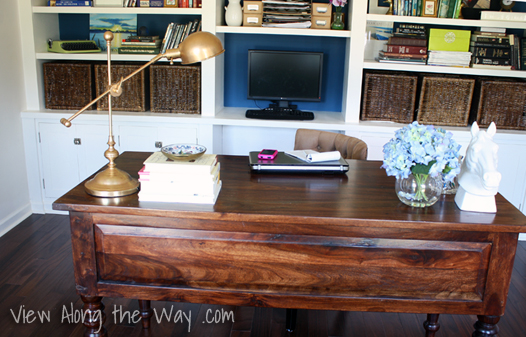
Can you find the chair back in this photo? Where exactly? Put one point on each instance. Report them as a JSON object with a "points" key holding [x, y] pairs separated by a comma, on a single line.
{"points": [[324, 141]]}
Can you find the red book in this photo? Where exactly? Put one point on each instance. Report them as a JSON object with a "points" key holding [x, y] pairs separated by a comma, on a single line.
{"points": [[405, 49], [185, 4], [407, 41]]}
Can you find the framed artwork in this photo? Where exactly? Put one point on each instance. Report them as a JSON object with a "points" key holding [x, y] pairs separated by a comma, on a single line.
{"points": [[430, 8], [378, 6]]}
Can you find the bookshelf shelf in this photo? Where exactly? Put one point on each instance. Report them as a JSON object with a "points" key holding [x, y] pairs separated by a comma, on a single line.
{"points": [[447, 22], [283, 31]]}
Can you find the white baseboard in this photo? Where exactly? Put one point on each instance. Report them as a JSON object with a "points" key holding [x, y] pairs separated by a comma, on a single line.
{"points": [[522, 237], [13, 219]]}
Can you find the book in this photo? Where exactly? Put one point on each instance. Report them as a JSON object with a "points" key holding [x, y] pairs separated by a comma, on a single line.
{"points": [[491, 52], [158, 162], [156, 3], [195, 198], [169, 177], [57, 3], [402, 55], [142, 38], [490, 66], [138, 50], [141, 44], [523, 54], [503, 40], [405, 49], [503, 16], [492, 61], [407, 41], [401, 60]]}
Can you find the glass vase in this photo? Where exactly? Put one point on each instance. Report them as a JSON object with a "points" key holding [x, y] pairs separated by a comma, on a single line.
{"points": [[449, 187], [337, 21], [419, 190]]}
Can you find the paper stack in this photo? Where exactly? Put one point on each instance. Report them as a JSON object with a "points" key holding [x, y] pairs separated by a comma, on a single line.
{"points": [[312, 156], [166, 180]]}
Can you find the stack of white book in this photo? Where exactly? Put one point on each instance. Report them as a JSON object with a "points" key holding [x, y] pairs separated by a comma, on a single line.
{"points": [[449, 58], [166, 180]]}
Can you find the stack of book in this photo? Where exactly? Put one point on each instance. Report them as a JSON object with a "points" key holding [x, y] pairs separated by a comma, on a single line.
{"points": [[492, 48], [140, 45], [166, 180], [408, 44], [287, 13], [177, 32], [449, 58]]}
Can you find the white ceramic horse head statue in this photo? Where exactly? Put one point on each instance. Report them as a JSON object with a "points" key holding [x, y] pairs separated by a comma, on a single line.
{"points": [[478, 178]]}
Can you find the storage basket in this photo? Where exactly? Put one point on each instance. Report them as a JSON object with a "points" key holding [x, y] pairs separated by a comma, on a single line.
{"points": [[502, 102], [68, 85], [445, 100], [134, 91], [389, 97], [175, 89]]}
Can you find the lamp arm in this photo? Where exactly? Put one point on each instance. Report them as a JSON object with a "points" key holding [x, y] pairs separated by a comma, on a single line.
{"points": [[115, 88]]}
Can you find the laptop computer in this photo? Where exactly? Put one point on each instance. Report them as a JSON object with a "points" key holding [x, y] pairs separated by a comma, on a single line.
{"points": [[286, 163]]}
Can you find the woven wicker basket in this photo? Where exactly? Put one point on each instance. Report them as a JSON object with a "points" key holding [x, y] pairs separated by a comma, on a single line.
{"points": [[175, 89], [134, 91], [67, 85], [389, 97], [445, 100], [502, 102]]}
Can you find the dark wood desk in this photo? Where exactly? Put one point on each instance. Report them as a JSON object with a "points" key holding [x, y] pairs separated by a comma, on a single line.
{"points": [[341, 242]]}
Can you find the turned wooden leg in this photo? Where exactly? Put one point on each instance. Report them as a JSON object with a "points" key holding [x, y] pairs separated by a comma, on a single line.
{"points": [[486, 326], [290, 319], [94, 316], [431, 325], [146, 313]]}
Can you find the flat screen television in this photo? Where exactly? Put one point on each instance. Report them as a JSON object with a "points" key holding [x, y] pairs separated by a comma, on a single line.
{"points": [[284, 76]]}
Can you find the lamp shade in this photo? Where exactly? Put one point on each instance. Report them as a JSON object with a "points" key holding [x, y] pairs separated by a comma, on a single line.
{"points": [[199, 46]]}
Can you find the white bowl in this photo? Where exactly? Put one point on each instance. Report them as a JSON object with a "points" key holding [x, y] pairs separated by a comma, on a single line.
{"points": [[183, 151]]}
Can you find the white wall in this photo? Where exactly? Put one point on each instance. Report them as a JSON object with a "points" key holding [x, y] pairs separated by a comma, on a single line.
{"points": [[14, 194]]}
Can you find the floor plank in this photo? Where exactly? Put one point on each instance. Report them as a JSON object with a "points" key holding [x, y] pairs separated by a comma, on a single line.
{"points": [[36, 273]]}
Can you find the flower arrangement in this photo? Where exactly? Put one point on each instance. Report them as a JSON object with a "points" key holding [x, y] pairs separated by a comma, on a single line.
{"points": [[339, 4], [422, 150]]}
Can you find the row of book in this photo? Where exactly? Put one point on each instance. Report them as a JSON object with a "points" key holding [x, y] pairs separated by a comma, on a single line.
{"points": [[492, 48], [166, 180], [177, 32], [443, 9], [286, 13]]}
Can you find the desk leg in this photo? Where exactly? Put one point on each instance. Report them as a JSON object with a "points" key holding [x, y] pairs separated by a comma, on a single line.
{"points": [[94, 316], [486, 326], [146, 313], [431, 325], [290, 319]]}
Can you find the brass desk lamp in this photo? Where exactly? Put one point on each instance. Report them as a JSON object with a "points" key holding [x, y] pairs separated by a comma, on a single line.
{"points": [[113, 182]]}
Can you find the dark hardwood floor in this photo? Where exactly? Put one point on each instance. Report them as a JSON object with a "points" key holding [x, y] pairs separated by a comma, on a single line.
{"points": [[36, 274]]}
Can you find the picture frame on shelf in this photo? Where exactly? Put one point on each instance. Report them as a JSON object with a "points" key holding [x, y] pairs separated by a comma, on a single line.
{"points": [[430, 8], [378, 7]]}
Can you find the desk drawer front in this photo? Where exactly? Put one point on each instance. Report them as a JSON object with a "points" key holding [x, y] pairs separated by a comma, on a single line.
{"points": [[350, 267]]}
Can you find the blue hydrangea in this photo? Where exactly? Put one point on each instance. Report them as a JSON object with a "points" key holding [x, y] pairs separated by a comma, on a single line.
{"points": [[418, 146]]}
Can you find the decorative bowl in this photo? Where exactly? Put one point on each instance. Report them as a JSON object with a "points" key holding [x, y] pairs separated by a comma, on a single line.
{"points": [[183, 151]]}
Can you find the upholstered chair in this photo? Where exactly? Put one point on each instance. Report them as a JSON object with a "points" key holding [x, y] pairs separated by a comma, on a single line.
{"points": [[323, 141]]}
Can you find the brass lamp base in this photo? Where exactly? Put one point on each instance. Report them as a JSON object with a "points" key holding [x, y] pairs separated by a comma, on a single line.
{"points": [[112, 182]]}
